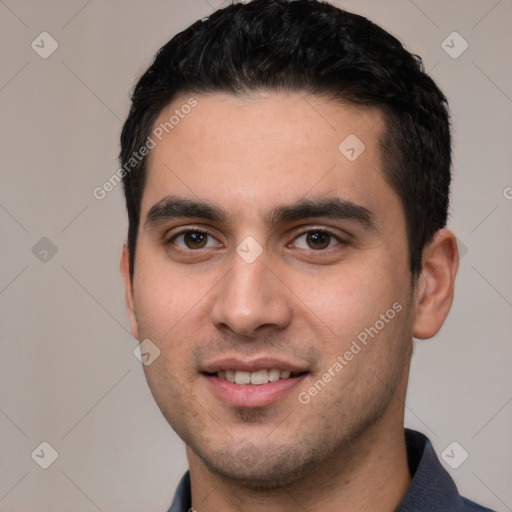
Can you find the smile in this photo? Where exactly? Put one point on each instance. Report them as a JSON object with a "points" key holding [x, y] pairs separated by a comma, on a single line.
{"points": [[256, 378]]}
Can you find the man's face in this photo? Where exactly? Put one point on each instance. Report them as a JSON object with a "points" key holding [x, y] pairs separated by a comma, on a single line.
{"points": [[269, 248]]}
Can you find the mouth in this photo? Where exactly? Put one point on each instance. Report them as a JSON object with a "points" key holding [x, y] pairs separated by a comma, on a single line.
{"points": [[256, 383], [256, 378]]}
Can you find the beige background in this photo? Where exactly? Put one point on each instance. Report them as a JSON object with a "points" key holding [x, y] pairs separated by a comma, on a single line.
{"points": [[68, 373]]}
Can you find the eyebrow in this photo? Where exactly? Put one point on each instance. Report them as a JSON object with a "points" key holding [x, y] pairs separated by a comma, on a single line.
{"points": [[333, 208], [172, 207]]}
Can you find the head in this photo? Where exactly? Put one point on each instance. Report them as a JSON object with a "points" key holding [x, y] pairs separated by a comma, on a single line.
{"points": [[288, 209], [306, 47]]}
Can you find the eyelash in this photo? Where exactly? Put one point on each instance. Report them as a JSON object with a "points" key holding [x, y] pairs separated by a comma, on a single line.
{"points": [[172, 239]]}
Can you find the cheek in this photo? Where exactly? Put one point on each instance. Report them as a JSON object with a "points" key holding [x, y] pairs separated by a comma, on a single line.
{"points": [[156, 307], [350, 302], [163, 308], [163, 295], [171, 307], [351, 295]]}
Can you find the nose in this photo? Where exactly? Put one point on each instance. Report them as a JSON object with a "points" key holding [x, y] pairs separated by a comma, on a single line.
{"points": [[251, 298]]}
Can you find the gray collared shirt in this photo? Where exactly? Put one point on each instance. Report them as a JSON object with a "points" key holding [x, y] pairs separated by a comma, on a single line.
{"points": [[431, 489]]}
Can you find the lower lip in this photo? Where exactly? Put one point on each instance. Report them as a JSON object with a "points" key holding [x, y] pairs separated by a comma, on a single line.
{"points": [[250, 395]]}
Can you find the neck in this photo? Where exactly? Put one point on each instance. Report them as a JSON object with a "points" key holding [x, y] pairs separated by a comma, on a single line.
{"points": [[370, 474]]}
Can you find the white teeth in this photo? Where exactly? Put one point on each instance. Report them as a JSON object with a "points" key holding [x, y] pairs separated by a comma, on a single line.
{"points": [[256, 378], [242, 377], [274, 374], [259, 377]]}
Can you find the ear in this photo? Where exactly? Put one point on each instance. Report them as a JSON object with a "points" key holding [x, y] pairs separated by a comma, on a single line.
{"points": [[124, 266], [434, 294]]}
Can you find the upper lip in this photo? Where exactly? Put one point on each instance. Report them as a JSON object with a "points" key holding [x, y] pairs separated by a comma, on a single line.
{"points": [[252, 365]]}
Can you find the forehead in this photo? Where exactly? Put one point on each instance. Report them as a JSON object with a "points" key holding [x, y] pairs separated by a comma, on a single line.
{"points": [[246, 153]]}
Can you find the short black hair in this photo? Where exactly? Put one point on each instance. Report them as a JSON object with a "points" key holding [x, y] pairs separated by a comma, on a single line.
{"points": [[306, 47]]}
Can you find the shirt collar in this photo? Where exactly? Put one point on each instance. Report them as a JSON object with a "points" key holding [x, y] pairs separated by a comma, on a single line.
{"points": [[431, 487]]}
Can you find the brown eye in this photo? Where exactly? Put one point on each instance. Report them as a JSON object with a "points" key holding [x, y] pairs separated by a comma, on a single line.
{"points": [[192, 239], [316, 240], [195, 240]]}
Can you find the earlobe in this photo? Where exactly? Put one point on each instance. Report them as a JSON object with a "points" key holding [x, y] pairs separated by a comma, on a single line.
{"points": [[435, 287], [124, 266]]}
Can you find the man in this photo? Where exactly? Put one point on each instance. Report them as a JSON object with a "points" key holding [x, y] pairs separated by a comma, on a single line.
{"points": [[286, 173]]}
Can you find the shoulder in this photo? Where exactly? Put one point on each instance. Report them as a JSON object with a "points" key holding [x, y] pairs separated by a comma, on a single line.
{"points": [[432, 489], [471, 506]]}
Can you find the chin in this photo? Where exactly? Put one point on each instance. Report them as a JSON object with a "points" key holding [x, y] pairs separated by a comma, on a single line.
{"points": [[261, 468]]}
